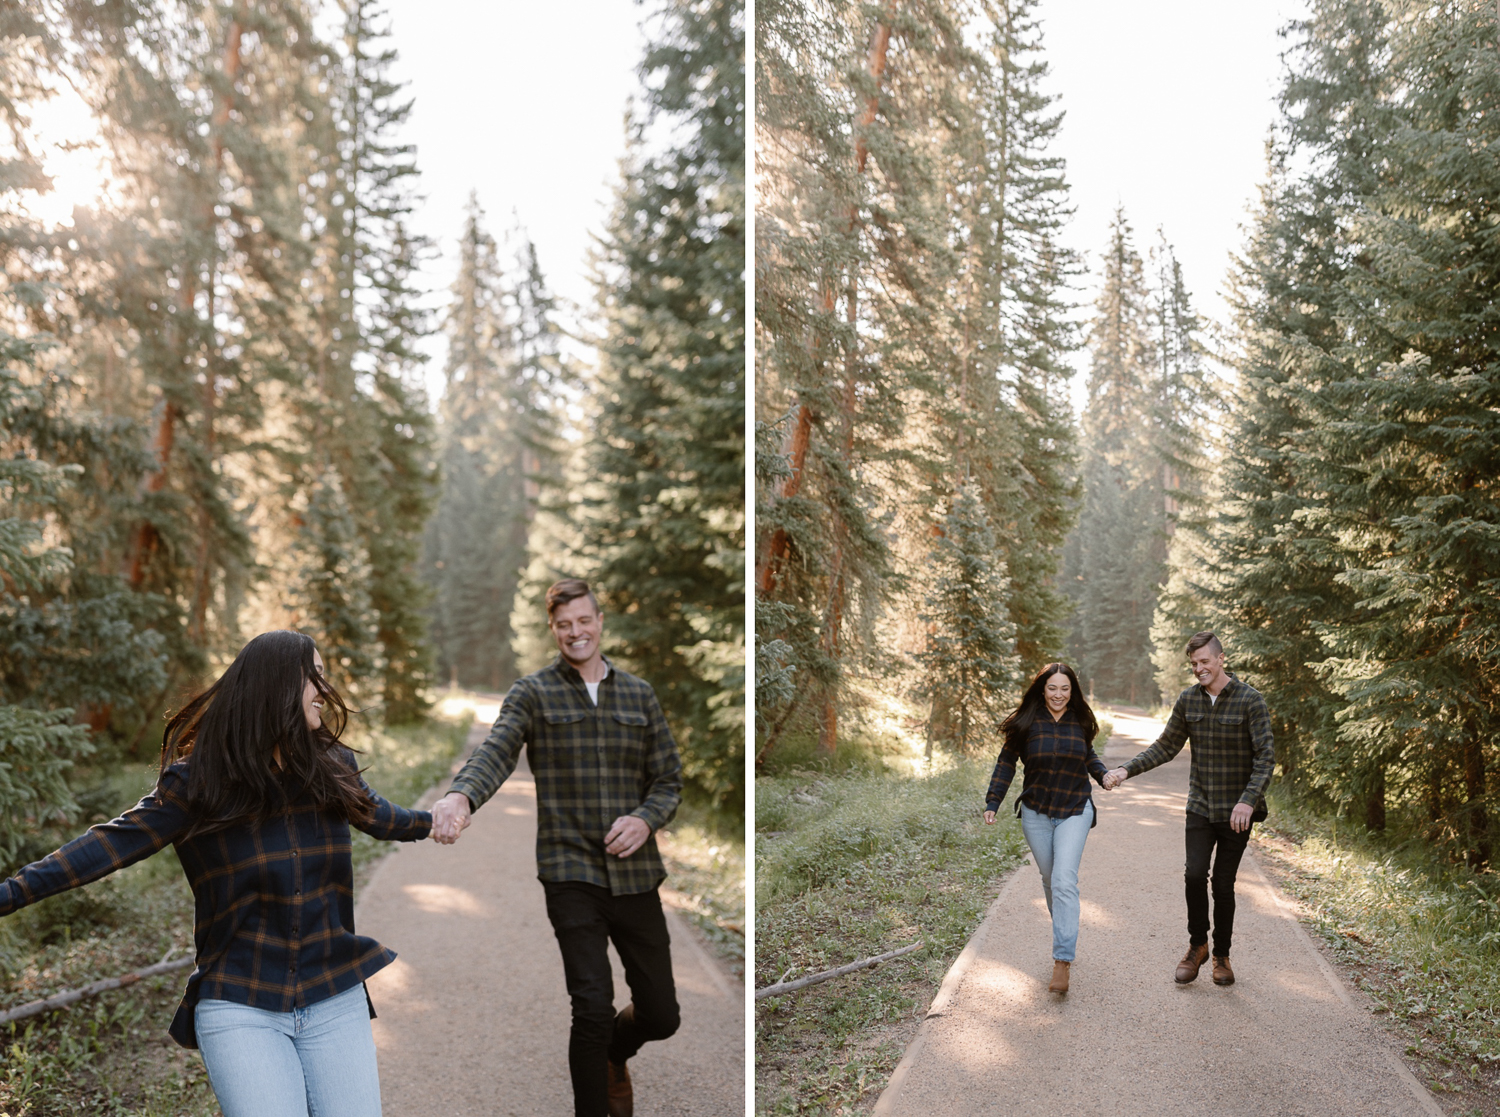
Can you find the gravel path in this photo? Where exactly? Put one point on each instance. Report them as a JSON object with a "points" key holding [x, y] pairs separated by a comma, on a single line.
{"points": [[1287, 1040], [473, 1014]]}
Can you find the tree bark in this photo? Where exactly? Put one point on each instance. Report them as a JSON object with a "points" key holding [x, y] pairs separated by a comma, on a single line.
{"points": [[780, 543], [1478, 855], [1375, 801]]}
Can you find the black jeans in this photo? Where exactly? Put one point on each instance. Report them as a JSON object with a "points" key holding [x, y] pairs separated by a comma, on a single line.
{"points": [[586, 918], [1203, 837]]}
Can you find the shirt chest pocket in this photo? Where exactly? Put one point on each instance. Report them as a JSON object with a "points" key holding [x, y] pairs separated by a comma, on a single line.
{"points": [[1232, 719], [568, 731], [628, 733]]}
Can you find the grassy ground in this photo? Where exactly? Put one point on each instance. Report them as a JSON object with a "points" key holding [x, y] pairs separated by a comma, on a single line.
{"points": [[705, 861], [868, 853], [1419, 936], [110, 1056]]}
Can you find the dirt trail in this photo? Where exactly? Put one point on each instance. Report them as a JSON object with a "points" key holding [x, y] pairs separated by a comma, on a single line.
{"points": [[473, 1014], [1287, 1040]]}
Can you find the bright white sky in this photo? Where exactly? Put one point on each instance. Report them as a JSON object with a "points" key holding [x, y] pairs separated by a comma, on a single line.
{"points": [[1167, 103], [524, 103], [1168, 106]]}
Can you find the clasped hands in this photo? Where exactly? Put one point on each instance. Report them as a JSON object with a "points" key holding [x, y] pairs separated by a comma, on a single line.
{"points": [[1239, 817], [451, 817]]}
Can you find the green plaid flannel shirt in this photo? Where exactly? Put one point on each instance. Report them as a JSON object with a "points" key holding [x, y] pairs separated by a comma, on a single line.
{"points": [[1233, 755], [592, 764]]}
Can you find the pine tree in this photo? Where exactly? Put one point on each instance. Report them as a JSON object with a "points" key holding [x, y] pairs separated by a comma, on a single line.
{"points": [[476, 508], [1115, 560], [661, 525], [375, 431], [970, 660], [501, 427], [187, 292]]}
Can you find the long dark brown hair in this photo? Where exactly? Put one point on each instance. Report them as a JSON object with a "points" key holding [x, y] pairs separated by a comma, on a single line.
{"points": [[250, 753], [1034, 703]]}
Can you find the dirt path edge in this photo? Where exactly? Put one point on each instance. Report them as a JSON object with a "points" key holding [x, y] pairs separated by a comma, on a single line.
{"points": [[952, 980], [1422, 1095]]}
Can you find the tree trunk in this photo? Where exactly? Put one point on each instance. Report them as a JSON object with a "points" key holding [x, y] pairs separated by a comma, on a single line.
{"points": [[1478, 821], [779, 545], [1375, 801], [144, 539], [776, 551]]}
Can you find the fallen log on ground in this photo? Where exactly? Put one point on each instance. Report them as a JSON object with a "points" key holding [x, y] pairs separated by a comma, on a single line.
{"points": [[60, 1000], [812, 979]]}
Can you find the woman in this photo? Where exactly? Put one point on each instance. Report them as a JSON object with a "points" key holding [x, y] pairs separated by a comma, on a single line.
{"points": [[257, 794], [1052, 732]]}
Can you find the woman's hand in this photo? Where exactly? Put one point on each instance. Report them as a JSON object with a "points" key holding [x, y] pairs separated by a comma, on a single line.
{"points": [[450, 817], [989, 818]]}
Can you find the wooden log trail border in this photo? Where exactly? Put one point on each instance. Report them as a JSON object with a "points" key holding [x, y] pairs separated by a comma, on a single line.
{"points": [[803, 982], [61, 1000]]}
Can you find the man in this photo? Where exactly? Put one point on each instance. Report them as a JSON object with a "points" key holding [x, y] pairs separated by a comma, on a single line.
{"points": [[1232, 759], [607, 778]]}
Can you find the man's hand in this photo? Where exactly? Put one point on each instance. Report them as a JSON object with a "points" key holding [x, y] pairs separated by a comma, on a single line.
{"points": [[626, 836], [1114, 778], [1239, 818], [450, 817], [989, 818]]}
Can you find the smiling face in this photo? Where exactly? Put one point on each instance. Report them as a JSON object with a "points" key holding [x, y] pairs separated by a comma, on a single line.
{"points": [[576, 626], [312, 701], [1208, 668], [1057, 692]]}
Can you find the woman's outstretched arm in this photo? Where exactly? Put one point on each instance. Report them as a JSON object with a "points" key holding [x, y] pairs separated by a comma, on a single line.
{"points": [[391, 823], [152, 824]]}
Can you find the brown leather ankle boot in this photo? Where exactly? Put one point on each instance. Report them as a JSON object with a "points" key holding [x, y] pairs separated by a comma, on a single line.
{"points": [[621, 1094], [1223, 975], [1192, 961], [1059, 977]]}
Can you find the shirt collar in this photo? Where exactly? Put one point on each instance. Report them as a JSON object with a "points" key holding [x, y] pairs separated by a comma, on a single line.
{"points": [[568, 671]]}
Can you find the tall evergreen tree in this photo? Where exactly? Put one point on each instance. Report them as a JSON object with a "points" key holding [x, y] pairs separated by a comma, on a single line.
{"points": [[912, 317], [501, 425], [662, 522], [970, 659], [1115, 560]]}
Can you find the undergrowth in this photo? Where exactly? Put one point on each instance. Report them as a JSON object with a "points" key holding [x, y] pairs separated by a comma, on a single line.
{"points": [[1419, 934], [858, 854], [705, 862]]}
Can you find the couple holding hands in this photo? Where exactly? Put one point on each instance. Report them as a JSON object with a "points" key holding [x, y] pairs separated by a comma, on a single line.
{"points": [[257, 793], [1051, 733]]}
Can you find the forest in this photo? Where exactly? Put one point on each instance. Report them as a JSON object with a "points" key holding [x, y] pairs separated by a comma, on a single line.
{"points": [[213, 406], [1313, 478]]}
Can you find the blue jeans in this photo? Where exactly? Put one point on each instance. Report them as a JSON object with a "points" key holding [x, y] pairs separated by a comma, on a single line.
{"points": [[317, 1061], [1057, 847]]}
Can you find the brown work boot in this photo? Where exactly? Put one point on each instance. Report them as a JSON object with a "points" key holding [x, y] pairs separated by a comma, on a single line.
{"points": [[1059, 977], [1223, 975], [1187, 969], [621, 1094]]}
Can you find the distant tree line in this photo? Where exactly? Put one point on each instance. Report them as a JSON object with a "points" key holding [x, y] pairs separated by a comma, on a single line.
{"points": [[631, 474], [1351, 549], [917, 469], [211, 395]]}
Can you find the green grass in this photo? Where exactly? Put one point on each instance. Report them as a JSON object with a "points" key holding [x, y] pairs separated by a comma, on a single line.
{"points": [[110, 1055], [855, 856], [705, 862], [1420, 935]]}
